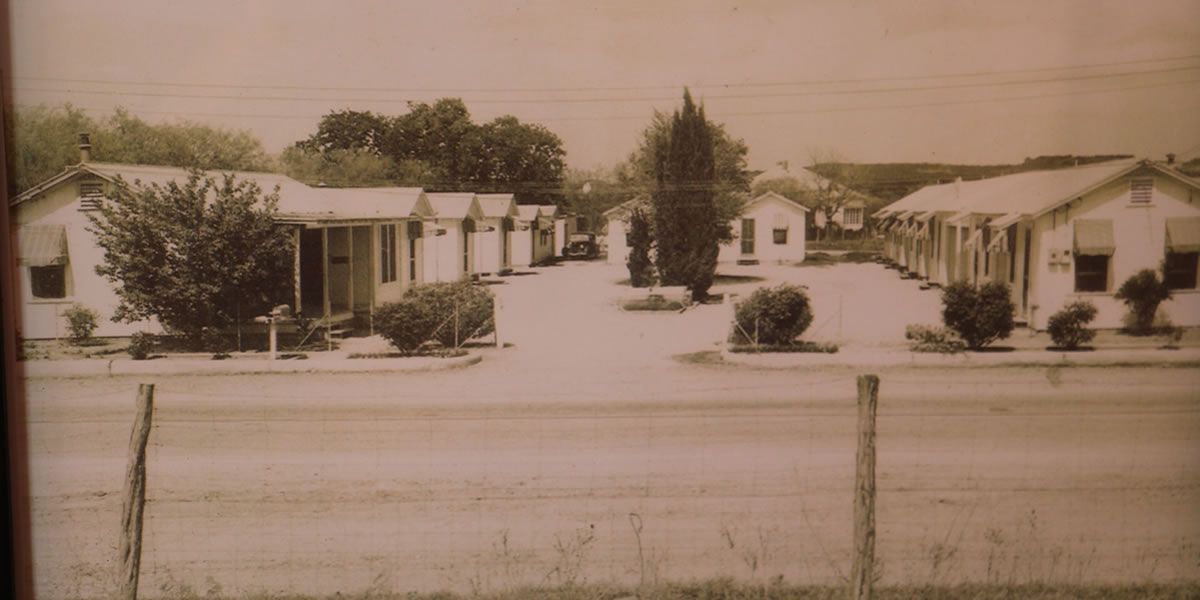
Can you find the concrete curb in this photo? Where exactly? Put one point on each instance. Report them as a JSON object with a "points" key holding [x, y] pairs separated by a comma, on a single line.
{"points": [[115, 367], [860, 357]]}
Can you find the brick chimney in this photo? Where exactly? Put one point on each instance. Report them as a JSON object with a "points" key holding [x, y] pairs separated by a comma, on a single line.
{"points": [[85, 148], [1170, 158]]}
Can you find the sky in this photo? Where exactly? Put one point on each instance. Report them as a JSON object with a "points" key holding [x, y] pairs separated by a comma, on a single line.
{"points": [[963, 81]]}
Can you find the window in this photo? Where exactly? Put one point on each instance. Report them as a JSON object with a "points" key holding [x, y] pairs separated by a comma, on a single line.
{"points": [[747, 236], [1091, 273], [852, 216], [1141, 189], [412, 258], [1179, 270], [387, 253], [48, 281], [780, 236]]}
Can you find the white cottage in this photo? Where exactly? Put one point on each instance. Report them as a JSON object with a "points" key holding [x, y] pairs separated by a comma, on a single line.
{"points": [[533, 240], [770, 230], [494, 234], [1056, 236], [450, 245], [354, 248]]}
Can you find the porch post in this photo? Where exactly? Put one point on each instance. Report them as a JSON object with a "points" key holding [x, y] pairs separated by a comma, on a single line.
{"points": [[350, 267], [296, 266], [325, 270]]}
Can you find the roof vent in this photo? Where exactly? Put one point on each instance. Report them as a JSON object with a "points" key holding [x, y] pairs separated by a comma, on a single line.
{"points": [[85, 147]]}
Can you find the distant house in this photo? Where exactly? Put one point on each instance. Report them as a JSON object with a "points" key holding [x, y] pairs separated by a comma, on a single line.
{"points": [[1056, 236], [770, 230], [850, 217], [354, 248], [450, 245], [494, 234]]}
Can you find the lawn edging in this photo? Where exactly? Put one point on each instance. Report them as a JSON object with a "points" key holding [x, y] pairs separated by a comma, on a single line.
{"points": [[189, 366], [884, 357]]}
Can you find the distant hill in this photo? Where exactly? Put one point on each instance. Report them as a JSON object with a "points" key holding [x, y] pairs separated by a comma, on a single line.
{"points": [[891, 181]]}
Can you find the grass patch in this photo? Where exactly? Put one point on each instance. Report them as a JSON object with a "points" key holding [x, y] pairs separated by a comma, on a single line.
{"points": [[824, 259], [448, 353], [729, 589], [797, 347]]}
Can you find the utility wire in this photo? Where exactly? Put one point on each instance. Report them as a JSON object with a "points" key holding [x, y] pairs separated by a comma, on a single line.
{"points": [[889, 90], [617, 88]]}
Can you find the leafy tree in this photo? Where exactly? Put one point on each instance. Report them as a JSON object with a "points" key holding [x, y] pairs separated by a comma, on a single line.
{"points": [[731, 179], [687, 225], [981, 315], [46, 141], [641, 267], [832, 191], [353, 167], [200, 255], [589, 193], [1142, 293], [433, 134], [348, 130]]}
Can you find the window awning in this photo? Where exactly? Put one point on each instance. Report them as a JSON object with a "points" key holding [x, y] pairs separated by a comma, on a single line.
{"points": [[779, 221], [958, 218], [999, 243], [43, 245], [923, 231], [431, 230], [925, 216], [1183, 234], [1094, 237]]}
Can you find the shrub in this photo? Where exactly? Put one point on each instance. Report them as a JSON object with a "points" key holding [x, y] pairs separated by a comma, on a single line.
{"points": [[928, 338], [1142, 293], [979, 316], [1068, 327], [793, 348], [141, 344], [641, 266], [81, 322], [773, 316], [448, 313]]}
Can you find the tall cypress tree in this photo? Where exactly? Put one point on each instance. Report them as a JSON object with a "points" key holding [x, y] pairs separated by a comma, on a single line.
{"points": [[685, 216]]}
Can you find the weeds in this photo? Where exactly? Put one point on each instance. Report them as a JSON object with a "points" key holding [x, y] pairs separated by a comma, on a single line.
{"points": [[570, 556]]}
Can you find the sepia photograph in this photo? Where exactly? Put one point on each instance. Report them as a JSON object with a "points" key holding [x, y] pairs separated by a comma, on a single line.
{"points": [[621, 300]]}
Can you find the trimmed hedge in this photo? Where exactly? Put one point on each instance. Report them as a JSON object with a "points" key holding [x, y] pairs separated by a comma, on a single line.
{"points": [[981, 315], [772, 316], [446, 313], [1068, 327]]}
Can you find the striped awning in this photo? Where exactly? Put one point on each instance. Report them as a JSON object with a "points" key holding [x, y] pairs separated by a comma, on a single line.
{"points": [[1183, 234], [43, 245], [1094, 237]]}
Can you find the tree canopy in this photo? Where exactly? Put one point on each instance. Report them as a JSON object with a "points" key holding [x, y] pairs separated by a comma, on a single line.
{"points": [[45, 140], [435, 146], [199, 255], [687, 225]]}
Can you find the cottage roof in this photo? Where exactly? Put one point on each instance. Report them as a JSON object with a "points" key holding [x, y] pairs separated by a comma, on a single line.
{"points": [[298, 202], [548, 210], [528, 212], [1032, 193], [455, 205], [778, 199], [497, 206]]}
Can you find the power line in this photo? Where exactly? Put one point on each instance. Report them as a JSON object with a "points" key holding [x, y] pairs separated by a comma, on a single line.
{"points": [[617, 88], [730, 114], [891, 90]]}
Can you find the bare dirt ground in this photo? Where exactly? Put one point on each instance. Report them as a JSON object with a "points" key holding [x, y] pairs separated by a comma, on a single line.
{"points": [[529, 467]]}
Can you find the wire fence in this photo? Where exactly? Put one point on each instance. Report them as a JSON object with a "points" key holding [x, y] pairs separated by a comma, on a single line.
{"points": [[282, 488]]}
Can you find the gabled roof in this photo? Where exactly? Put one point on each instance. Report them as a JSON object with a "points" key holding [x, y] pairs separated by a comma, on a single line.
{"points": [[298, 202], [777, 198], [497, 206], [548, 210], [622, 210], [455, 205], [528, 212], [1031, 194]]}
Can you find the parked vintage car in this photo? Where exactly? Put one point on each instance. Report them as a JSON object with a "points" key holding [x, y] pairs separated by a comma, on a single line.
{"points": [[582, 246]]}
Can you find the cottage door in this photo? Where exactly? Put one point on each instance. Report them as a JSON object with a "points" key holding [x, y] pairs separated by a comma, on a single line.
{"points": [[748, 237]]}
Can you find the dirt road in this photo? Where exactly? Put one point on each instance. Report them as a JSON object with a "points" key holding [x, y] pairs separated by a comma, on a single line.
{"points": [[508, 473]]}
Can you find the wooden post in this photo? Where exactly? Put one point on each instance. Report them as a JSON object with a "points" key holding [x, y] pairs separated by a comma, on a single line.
{"points": [[861, 573], [134, 499]]}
